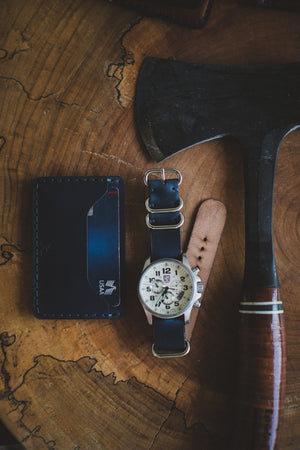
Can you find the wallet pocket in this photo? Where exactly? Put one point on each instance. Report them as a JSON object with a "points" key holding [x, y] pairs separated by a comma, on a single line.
{"points": [[78, 247]]}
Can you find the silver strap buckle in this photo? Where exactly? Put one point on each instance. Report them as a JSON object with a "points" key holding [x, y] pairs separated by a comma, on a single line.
{"points": [[163, 174], [165, 210], [173, 355]]}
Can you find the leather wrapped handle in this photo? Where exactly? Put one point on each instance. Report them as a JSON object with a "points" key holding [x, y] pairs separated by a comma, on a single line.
{"points": [[262, 368]]}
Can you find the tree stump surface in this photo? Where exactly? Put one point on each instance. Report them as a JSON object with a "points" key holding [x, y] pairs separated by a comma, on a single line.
{"points": [[67, 81]]}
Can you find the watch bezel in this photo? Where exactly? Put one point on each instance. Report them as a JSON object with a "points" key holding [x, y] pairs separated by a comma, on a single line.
{"points": [[191, 301]]}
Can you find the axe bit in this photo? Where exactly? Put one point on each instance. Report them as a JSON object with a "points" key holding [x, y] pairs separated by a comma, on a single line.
{"points": [[181, 104]]}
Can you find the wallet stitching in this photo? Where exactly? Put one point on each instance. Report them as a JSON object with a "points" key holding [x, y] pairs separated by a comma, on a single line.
{"points": [[36, 256]]}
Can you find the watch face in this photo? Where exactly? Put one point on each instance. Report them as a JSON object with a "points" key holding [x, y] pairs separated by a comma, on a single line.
{"points": [[166, 288]]}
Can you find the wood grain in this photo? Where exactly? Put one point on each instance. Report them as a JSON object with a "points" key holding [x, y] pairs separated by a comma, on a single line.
{"points": [[67, 80]]}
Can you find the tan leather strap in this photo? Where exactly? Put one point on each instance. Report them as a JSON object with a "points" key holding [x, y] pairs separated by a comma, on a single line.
{"points": [[203, 245]]}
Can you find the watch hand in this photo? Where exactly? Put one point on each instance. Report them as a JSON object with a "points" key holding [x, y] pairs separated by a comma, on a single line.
{"points": [[173, 289], [161, 296]]}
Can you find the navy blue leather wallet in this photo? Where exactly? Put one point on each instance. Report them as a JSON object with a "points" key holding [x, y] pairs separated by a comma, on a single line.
{"points": [[78, 247]]}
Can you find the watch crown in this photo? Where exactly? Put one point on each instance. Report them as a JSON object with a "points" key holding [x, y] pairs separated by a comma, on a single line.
{"points": [[195, 270], [197, 304], [199, 287]]}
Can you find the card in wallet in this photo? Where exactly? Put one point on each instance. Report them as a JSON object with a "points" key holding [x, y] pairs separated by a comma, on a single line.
{"points": [[78, 247]]}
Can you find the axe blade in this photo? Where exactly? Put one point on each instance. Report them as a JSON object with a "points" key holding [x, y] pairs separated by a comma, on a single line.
{"points": [[181, 104]]}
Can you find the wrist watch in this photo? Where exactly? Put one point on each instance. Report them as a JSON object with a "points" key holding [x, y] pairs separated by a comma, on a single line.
{"points": [[168, 288]]}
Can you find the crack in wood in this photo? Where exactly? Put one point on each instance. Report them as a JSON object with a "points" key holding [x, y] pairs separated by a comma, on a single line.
{"points": [[33, 433], [5, 250], [2, 142], [7, 55], [113, 157], [162, 425], [35, 99], [5, 341], [43, 97], [15, 52], [116, 70], [175, 409]]}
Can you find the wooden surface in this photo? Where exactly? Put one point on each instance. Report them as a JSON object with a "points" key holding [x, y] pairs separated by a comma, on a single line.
{"points": [[67, 79]]}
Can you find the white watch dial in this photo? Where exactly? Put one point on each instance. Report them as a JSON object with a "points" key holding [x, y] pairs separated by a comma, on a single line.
{"points": [[166, 288]]}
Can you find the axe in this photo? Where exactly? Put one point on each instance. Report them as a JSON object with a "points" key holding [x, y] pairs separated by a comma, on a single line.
{"points": [[181, 104]]}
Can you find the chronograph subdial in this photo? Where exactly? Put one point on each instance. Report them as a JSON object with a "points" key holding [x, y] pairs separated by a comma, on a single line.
{"points": [[168, 297], [156, 286]]}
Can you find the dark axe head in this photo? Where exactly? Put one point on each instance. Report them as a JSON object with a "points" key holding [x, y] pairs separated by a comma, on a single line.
{"points": [[181, 104]]}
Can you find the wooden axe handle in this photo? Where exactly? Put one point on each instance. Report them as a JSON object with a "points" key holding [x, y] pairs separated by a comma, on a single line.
{"points": [[262, 368]]}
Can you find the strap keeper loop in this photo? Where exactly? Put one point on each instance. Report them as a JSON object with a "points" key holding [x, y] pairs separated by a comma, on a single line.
{"points": [[165, 210], [166, 226]]}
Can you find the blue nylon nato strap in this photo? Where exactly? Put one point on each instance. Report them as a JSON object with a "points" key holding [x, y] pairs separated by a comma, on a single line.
{"points": [[169, 335], [164, 243]]}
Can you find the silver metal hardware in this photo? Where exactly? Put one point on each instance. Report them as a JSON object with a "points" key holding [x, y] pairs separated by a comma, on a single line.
{"points": [[195, 270], [157, 211], [172, 355], [167, 226], [163, 174], [199, 287], [197, 304]]}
